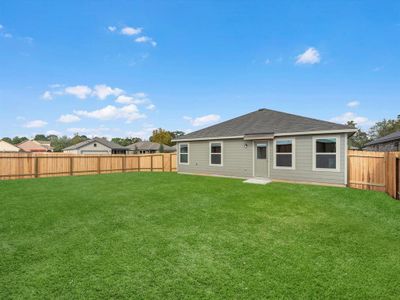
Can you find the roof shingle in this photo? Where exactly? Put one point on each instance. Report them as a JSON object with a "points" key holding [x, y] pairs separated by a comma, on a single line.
{"points": [[264, 121]]}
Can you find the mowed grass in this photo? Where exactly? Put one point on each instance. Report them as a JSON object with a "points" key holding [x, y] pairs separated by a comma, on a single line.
{"points": [[160, 235]]}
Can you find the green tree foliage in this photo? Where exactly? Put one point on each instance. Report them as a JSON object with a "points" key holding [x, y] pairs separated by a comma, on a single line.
{"points": [[359, 138], [161, 149], [384, 127], [17, 140], [126, 141], [40, 137], [7, 139], [161, 136]]}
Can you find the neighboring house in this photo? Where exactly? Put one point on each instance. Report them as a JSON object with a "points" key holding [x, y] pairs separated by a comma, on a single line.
{"points": [[7, 147], [96, 146], [148, 147], [268, 144], [36, 146], [390, 142]]}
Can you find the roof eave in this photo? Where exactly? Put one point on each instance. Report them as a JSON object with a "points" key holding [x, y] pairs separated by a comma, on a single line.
{"points": [[332, 131]]}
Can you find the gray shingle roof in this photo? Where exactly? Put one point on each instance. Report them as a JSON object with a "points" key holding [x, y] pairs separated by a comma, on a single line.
{"points": [[105, 142], [146, 146], [387, 138], [264, 121]]}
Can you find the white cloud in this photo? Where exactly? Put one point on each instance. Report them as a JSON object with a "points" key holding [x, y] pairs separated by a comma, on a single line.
{"points": [[204, 120], [91, 132], [353, 103], [350, 116], [143, 133], [310, 56], [1, 27], [112, 28], [53, 132], [124, 99], [35, 124], [129, 113], [47, 95], [131, 30], [68, 118], [151, 107], [80, 91], [102, 91], [146, 39]]}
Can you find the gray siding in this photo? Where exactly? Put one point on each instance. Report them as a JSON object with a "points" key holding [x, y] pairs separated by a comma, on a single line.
{"points": [[91, 149], [304, 164], [237, 160]]}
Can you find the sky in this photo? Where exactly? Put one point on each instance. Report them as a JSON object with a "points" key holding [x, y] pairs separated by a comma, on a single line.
{"points": [[123, 68]]}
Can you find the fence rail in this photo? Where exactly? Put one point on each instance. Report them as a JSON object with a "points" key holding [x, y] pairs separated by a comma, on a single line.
{"points": [[14, 166], [374, 171]]}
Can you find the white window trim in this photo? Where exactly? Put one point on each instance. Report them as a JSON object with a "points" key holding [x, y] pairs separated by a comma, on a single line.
{"points": [[314, 153], [188, 146], [222, 154], [293, 167]]}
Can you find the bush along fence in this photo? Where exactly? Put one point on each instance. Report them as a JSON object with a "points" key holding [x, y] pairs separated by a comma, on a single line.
{"points": [[15, 166], [379, 171]]}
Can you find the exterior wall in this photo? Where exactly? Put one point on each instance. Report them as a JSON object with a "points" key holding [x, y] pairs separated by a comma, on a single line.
{"points": [[238, 161], [91, 149], [303, 170], [385, 147]]}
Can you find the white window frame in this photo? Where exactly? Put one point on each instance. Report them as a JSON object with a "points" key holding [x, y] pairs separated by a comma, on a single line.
{"points": [[314, 153], [293, 140], [222, 154], [188, 147]]}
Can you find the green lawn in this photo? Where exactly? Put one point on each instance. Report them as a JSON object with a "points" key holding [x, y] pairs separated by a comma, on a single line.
{"points": [[161, 235]]}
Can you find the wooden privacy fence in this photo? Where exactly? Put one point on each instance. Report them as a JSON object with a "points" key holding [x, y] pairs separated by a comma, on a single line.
{"points": [[377, 171], [14, 166]]}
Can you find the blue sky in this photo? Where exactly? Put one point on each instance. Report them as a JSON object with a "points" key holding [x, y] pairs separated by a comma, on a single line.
{"points": [[122, 68]]}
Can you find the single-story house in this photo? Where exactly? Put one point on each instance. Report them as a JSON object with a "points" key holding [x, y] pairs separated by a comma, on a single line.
{"points": [[35, 146], [96, 146], [149, 147], [7, 147], [390, 142], [268, 144]]}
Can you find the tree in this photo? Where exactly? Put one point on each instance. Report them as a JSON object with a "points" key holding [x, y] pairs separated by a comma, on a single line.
{"points": [[161, 136], [126, 141], [175, 134], [17, 140], [77, 139], [161, 149], [384, 127], [359, 138], [40, 137], [7, 139]]}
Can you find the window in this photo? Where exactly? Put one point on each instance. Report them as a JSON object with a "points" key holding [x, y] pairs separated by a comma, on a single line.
{"points": [[184, 154], [94, 145], [326, 157], [216, 153], [284, 154], [261, 151]]}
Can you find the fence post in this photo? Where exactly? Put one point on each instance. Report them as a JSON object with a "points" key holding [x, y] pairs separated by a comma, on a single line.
{"points": [[163, 167], [71, 166], [36, 163], [138, 163], [151, 163], [170, 162], [98, 165], [123, 163]]}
